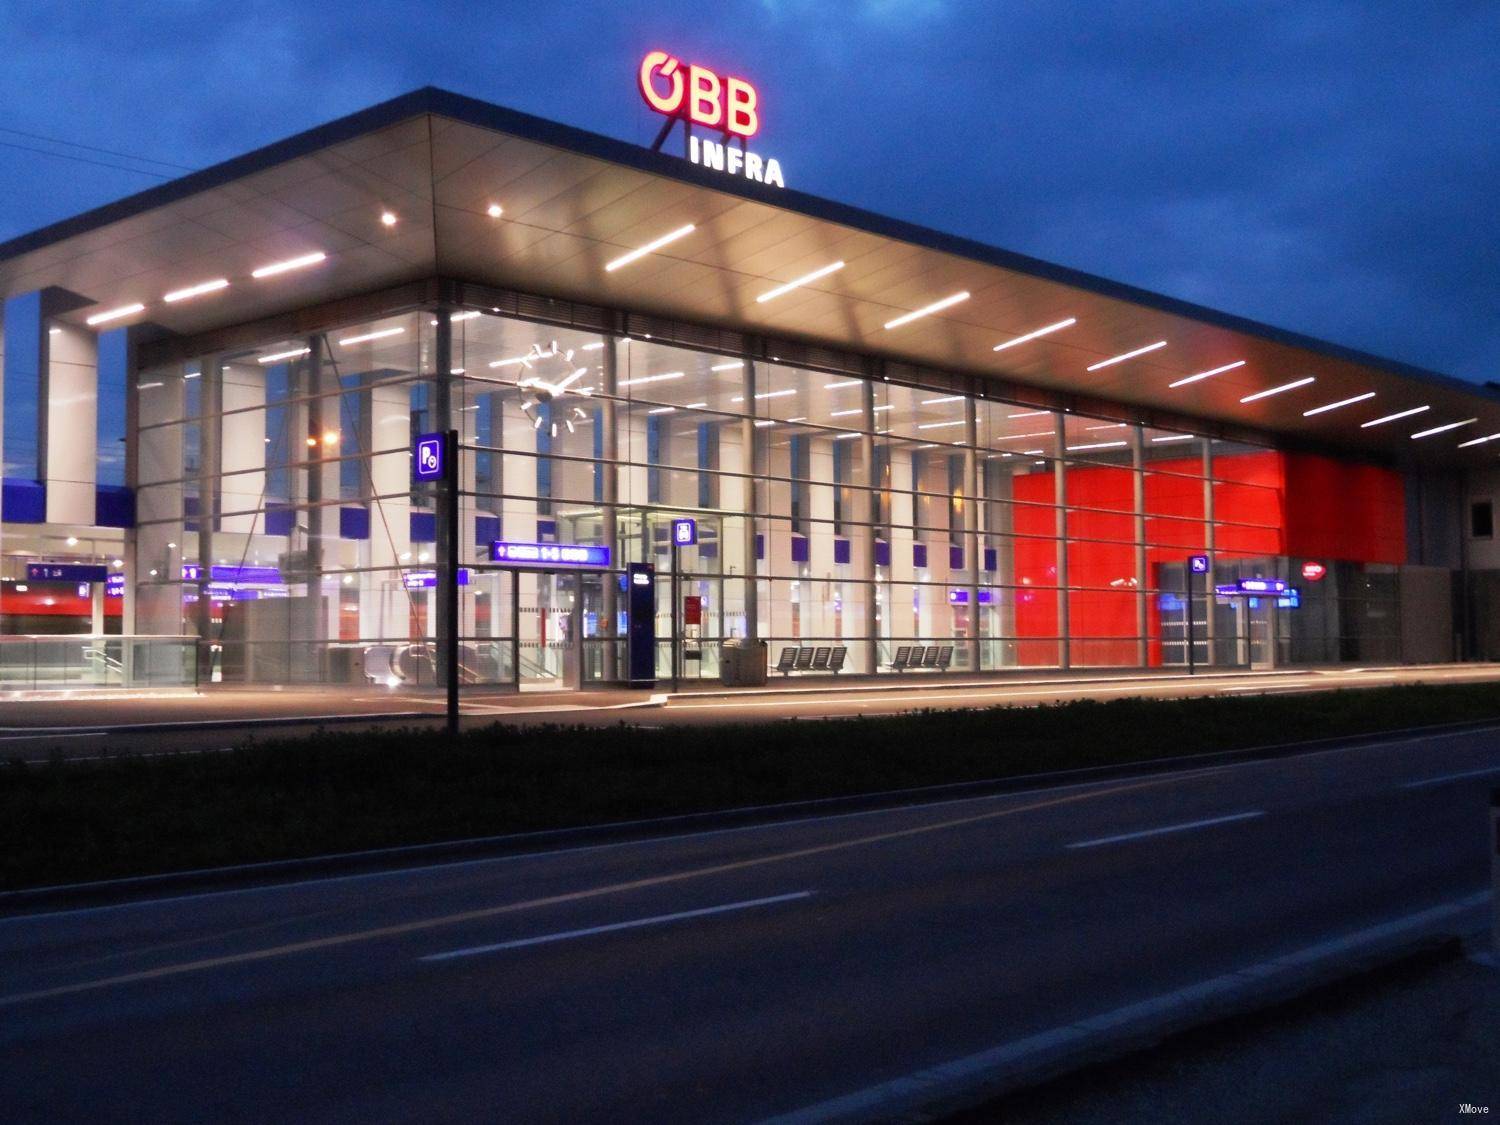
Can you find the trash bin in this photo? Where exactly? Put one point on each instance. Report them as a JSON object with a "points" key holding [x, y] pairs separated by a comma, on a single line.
{"points": [[742, 663], [731, 658], [753, 664]]}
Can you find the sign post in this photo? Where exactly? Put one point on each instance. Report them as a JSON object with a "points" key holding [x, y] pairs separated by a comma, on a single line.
{"points": [[1197, 564], [434, 460], [684, 534]]}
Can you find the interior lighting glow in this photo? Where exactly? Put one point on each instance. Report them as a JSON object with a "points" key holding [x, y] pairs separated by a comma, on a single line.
{"points": [[928, 310], [651, 247], [494, 210], [594, 347], [1269, 391], [279, 356], [115, 314], [1121, 358], [728, 366], [1047, 331], [945, 398], [662, 410], [1335, 405], [1172, 437], [1099, 445], [1030, 414], [940, 425], [778, 394], [1443, 429], [387, 218], [1208, 374], [1393, 417], [510, 362], [197, 290], [366, 337], [844, 413], [652, 378], [842, 385], [1477, 441], [805, 279], [290, 264]]}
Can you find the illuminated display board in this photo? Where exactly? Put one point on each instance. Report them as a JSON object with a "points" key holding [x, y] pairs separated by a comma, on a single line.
{"points": [[549, 555]]}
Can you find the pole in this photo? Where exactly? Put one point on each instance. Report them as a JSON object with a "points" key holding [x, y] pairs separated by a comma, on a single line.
{"points": [[450, 579], [1192, 668], [1495, 870], [676, 644]]}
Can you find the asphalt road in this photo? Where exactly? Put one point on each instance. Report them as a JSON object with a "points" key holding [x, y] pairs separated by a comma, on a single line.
{"points": [[91, 725], [729, 975]]}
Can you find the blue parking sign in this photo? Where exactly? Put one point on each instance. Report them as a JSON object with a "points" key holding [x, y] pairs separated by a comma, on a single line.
{"points": [[684, 532], [428, 461], [1198, 564]]}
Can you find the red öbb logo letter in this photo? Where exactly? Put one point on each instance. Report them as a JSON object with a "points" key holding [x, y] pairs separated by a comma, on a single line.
{"points": [[699, 95]]}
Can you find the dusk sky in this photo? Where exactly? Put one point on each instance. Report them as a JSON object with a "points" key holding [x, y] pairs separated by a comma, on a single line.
{"points": [[1324, 167]]}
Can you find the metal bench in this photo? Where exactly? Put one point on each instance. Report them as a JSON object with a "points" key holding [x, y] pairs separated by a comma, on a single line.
{"points": [[930, 660], [788, 660], [820, 659], [836, 660], [945, 658], [804, 660], [903, 655]]}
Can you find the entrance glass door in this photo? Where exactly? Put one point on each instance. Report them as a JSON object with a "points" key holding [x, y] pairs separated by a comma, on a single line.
{"points": [[560, 617]]}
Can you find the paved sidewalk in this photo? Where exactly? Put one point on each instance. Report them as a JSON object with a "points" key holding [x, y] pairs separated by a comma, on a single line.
{"points": [[1410, 1043]]}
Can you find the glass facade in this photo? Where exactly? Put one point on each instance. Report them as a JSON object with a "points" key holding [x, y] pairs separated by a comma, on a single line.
{"points": [[870, 510]]}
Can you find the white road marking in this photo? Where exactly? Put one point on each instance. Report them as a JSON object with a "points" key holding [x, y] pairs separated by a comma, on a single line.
{"points": [[1162, 831], [635, 923], [1450, 777]]}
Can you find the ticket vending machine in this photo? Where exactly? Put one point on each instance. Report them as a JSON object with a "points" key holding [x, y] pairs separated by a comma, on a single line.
{"points": [[640, 595]]}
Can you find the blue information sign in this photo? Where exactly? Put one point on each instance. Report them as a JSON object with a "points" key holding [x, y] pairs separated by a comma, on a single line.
{"points": [[685, 532], [428, 461], [1250, 587], [1198, 564], [546, 555], [66, 572]]}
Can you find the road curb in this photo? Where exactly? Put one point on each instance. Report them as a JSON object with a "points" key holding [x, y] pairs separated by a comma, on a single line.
{"points": [[974, 1080], [415, 855]]}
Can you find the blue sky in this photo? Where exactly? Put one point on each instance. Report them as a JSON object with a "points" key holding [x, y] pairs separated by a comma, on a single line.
{"points": [[1325, 167]]}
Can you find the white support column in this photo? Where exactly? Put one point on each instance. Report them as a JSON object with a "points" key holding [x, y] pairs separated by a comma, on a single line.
{"points": [[383, 610], [72, 419], [973, 543]]}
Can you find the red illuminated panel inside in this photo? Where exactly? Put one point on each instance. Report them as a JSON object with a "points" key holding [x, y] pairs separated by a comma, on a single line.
{"points": [[1265, 504]]}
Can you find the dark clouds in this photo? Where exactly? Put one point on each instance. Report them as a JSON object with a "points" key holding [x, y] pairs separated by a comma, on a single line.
{"points": [[1321, 166]]}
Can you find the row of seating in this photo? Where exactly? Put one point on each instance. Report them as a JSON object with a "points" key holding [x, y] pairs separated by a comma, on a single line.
{"points": [[829, 658], [911, 657]]}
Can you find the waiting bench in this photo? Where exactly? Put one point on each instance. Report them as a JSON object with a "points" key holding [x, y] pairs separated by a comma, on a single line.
{"points": [[827, 658], [910, 658]]}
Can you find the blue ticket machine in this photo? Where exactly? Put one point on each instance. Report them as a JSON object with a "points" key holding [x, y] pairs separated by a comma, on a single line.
{"points": [[640, 594]]}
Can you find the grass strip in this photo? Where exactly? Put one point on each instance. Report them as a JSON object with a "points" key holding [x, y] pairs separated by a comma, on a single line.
{"points": [[344, 790]]}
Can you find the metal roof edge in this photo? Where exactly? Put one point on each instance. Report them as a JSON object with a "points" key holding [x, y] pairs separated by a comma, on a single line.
{"points": [[473, 111]]}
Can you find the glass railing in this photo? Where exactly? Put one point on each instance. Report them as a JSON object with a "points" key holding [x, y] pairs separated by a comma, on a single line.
{"points": [[39, 663]]}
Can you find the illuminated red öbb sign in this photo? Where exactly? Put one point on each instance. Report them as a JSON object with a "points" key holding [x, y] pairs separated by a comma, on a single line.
{"points": [[697, 94], [1313, 571]]}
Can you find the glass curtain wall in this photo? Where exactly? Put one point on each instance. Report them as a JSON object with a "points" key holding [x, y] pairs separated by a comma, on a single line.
{"points": [[278, 521]]}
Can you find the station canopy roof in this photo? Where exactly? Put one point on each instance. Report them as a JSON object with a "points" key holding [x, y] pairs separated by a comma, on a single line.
{"points": [[573, 202]]}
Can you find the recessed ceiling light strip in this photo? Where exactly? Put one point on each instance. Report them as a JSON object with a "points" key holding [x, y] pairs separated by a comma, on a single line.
{"points": [[1393, 417], [1040, 332], [1324, 409], [1269, 391], [1443, 429], [928, 310], [1207, 374], [805, 279], [650, 248], [1114, 359]]}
